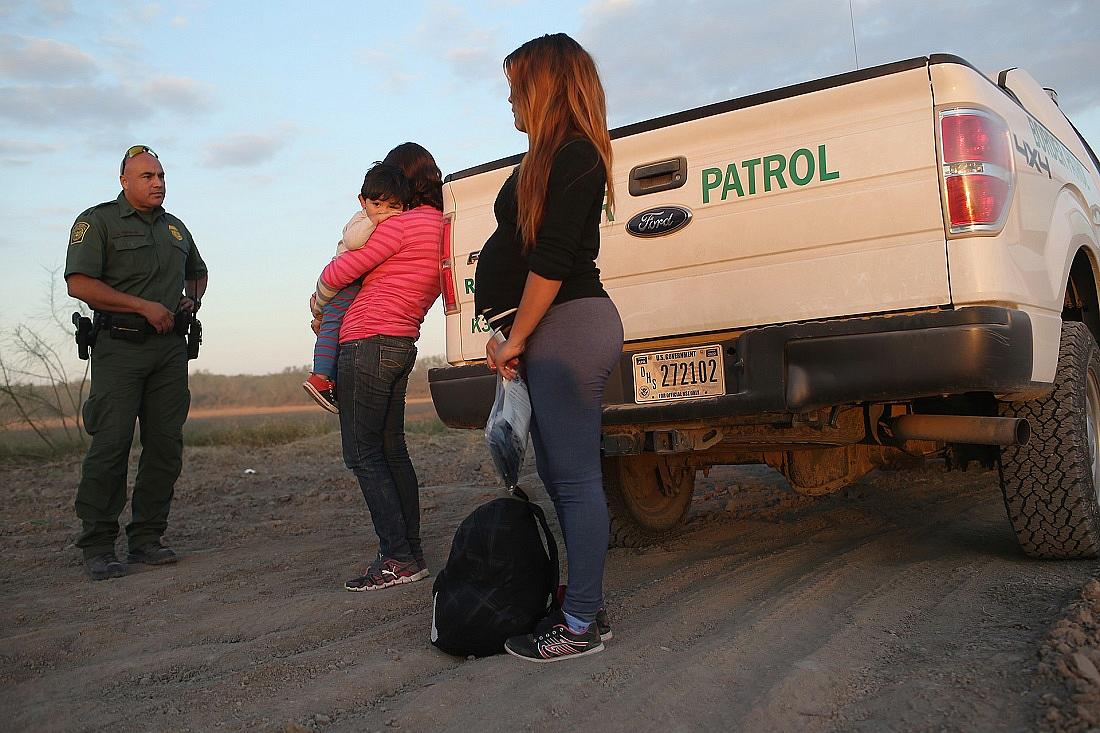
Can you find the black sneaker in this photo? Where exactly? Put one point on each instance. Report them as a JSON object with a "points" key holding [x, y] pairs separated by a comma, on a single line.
{"points": [[102, 567], [385, 572], [553, 641], [603, 625], [152, 553], [602, 622]]}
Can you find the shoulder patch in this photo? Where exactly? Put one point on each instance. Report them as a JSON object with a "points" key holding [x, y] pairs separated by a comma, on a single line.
{"points": [[78, 232], [175, 232]]}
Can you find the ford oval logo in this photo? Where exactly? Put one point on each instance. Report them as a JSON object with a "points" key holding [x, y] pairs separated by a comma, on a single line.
{"points": [[658, 222]]}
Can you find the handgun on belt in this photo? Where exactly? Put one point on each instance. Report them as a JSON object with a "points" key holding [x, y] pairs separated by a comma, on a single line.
{"points": [[188, 326], [85, 334]]}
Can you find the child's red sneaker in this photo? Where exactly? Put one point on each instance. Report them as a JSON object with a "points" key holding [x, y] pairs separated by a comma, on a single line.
{"points": [[323, 390]]}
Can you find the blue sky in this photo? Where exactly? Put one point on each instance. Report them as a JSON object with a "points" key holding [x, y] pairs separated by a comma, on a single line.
{"points": [[265, 116]]}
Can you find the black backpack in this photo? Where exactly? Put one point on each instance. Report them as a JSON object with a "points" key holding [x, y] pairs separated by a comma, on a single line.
{"points": [[499, 580]]}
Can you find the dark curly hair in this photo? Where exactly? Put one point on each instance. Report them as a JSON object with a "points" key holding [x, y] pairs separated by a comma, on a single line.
{"points": [[420, 168]]}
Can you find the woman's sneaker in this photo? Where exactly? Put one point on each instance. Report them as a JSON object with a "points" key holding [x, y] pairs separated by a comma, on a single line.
{"points": [[385, 572], [602, 621], [323, 391], [553, 641]]}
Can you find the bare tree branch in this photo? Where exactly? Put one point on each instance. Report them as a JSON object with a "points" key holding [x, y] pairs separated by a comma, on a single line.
{"points": [[13, 394], [35, 382]]}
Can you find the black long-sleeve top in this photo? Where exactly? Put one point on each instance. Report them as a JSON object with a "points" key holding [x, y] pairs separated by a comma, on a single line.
{"points": [[567, 243]]}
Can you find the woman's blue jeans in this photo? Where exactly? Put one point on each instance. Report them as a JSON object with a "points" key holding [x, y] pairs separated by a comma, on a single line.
{"points": [[373, 376]]}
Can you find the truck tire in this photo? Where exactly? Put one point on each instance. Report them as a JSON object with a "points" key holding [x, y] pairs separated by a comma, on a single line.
{"points": [[647, 496], [1050, 484]]}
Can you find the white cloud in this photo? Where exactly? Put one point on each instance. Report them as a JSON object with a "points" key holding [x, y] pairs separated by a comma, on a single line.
{"points": [[55, 11], [470, 62], [8, 146], [465, 46], [20, 153], [38, 106], [52, 12], [658, 56], [246, 150], [148, 12], [46, 83], [122, 47], [180, 22], [385, 72], [1057, 42], [177, 93], [44, 60], [470, 48]]}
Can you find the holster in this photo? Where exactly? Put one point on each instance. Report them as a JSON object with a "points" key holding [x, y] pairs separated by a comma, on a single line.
{"points": [[85, 334], [188, 326]]}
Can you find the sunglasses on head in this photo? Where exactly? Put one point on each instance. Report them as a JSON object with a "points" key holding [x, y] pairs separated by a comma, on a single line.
{"points": [[131, 152]]}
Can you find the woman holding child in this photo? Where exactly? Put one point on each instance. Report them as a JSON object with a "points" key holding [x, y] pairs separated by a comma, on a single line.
{"points": [[397, 268], [537, 282]]}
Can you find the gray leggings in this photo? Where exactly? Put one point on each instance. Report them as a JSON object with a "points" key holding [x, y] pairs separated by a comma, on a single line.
{"points": [[568, 360]]}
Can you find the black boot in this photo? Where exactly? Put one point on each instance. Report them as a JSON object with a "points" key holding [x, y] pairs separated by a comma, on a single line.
{"points": [[102, 567]]}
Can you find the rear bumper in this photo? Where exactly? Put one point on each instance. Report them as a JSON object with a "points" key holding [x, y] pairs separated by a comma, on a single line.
{"points": [[463, 395], [805, 366]]}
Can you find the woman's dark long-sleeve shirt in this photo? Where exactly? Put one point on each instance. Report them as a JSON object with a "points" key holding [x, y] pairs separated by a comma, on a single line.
{"points": [[567, 243]]}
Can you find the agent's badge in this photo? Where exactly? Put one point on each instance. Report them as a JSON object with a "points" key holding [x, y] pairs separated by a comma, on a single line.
{"points": [[79, 230], [175, 232]]}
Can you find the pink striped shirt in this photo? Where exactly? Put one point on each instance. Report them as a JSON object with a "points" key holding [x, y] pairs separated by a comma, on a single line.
{"points": [[401, 264]]}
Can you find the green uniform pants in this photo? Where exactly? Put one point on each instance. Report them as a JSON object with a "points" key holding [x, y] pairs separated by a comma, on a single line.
{"points": [[131, 382]]}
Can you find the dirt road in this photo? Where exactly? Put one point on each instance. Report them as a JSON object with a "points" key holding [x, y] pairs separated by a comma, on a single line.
{"points": [[900, 604]]}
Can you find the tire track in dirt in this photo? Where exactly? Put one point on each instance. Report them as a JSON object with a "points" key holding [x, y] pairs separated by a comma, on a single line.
{"points": [[900, 604], [786, 627]]}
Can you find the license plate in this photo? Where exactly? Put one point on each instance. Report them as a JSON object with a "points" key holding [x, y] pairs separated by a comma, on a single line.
{"points": [[679, 374]]}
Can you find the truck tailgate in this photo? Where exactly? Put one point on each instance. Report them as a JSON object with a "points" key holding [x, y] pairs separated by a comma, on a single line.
{"points": [[809, 202]]}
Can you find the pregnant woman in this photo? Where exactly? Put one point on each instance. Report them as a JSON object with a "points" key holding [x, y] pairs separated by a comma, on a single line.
{"points": [[538, 283]]}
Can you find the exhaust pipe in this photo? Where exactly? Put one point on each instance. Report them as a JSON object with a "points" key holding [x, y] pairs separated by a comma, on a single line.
{"points": [[961, 429]]}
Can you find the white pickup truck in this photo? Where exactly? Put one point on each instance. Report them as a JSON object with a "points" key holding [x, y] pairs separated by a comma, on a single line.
{"points": [[896, 260]]}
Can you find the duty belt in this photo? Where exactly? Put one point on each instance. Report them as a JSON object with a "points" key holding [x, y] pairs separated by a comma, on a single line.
{"points": [[125, 326]]}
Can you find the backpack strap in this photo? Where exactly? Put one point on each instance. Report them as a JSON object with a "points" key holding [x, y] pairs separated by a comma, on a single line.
{"points": [[547, 535], [551, 544]]}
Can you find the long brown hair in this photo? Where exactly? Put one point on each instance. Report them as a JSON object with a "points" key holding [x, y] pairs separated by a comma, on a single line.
{"points": [[424, 176], [557, 91]]}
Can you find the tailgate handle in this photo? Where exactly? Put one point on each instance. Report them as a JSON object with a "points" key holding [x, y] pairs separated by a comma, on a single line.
{"points": [[664, 175]]}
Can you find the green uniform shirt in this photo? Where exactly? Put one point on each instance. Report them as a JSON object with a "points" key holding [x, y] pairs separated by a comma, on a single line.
{"points": [[144, 254]]}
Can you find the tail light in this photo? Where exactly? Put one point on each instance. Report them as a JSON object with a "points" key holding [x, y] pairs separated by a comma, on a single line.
{"points": [[446, 272], [977, 169]]}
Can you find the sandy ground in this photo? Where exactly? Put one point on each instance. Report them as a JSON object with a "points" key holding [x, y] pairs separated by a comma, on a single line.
{"points": [[901, 603]]}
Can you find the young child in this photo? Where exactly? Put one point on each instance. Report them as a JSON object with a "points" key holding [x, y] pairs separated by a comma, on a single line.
{"points": [[385, 193]]}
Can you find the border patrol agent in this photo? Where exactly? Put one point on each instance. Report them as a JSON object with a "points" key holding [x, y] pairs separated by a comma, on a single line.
{"points": [[137, 266]]}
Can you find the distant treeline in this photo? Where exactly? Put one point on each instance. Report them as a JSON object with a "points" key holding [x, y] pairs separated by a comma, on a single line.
{"points": [[285, 387], [218, 390]]}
